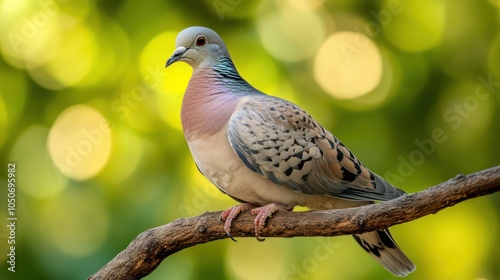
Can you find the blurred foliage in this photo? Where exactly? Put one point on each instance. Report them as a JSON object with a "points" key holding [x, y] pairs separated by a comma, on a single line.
{"points": [[91, 118]]}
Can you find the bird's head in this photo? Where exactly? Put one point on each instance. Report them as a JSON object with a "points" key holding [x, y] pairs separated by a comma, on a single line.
{"points": [[199, 47]]}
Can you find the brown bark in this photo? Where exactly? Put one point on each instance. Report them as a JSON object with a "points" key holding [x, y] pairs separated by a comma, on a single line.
{"points": [[146, 252]]}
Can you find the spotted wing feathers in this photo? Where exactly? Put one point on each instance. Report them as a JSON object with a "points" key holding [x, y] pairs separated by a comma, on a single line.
{"points": [[282, 142]]}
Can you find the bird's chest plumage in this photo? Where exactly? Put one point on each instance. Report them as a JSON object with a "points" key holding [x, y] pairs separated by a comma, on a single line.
{"points": [[206, 109], [216, 160], [207, 105]]}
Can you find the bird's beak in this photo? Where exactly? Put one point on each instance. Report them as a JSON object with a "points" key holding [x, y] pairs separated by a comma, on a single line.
{"points": [[176, 55]]}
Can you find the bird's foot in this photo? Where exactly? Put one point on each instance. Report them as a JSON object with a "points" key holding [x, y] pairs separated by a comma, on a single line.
{"points": [[265, 212], [230, 214]]}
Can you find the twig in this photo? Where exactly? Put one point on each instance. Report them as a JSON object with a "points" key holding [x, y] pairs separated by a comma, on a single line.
{"points": [[146, 252]]}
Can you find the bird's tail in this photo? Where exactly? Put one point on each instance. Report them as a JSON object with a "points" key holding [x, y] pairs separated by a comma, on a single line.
{"points": [[381, 246]]}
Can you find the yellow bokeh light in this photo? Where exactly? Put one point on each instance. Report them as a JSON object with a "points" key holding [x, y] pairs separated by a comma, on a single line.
{"points": [[76, 221], [34, 30], [36, 174], [73, 61], [269, 258], [321, 252], [170, 86], [348, 65], [418, 27], [457, 242], [169, 104], [79, 142], [111, 59], [11, 9], [387, 88], [154, 56], [55, 46], [290, 34], [306, 4], [127, 152], [29, 44]]}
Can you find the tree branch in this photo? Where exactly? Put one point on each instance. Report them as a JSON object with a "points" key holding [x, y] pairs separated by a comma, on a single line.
{"points": [[146, 252]]}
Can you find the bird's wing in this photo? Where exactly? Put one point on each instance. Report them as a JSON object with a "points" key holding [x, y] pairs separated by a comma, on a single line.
{"points": [[283, 143]]}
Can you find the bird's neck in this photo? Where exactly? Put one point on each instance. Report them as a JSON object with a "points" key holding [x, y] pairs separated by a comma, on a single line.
{"points": [[211, 97]]}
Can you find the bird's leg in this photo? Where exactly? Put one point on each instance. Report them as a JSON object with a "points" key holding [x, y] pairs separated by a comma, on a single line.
{"points": [[265, 212], [230, 214]]}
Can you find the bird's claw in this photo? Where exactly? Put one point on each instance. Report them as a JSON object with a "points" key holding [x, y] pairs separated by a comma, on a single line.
{"points": [[263, 213], [232, 213]]}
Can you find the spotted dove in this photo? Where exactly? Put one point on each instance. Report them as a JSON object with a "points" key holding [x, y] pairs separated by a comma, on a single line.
{"points": [[268, 153]]}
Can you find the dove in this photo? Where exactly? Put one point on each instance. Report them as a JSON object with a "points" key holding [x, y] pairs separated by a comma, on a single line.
{"points": [[268, 153]]}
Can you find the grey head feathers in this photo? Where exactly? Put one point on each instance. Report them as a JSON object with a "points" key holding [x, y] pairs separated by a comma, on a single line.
{"points": [[199, 47]]}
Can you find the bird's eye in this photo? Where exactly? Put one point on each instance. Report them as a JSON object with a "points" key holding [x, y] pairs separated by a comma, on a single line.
{"points": [[201, 40]]}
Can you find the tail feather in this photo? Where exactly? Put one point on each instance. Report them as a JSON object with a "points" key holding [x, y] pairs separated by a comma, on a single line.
{"points": [[381, 246]]}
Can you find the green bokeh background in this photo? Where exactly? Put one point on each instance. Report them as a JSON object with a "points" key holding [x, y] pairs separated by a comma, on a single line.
{"points": [[108, 56]]}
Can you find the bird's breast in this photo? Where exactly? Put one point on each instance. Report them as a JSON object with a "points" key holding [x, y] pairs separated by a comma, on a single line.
{"points": [[207, 105], [215, 158]]}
